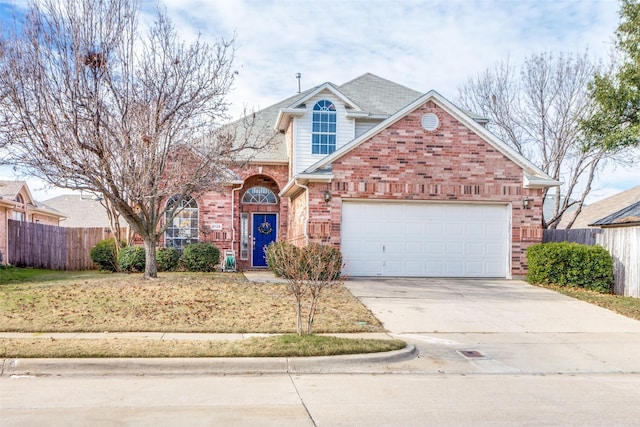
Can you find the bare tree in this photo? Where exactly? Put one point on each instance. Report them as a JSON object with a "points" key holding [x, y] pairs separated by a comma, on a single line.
{"points": [[93, 104], [537, 111], [309, 271]]}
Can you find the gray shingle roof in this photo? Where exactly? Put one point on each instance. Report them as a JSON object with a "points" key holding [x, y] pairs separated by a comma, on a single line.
{"points": [[602, 208], [80, 211], [624, 217], [376, 95]]}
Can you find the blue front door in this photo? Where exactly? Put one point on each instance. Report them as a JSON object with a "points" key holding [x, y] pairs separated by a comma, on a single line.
{"points": [[264, 232]]}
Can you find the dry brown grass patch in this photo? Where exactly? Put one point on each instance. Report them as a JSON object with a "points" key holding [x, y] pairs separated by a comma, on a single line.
{"points": [[175, 302]]}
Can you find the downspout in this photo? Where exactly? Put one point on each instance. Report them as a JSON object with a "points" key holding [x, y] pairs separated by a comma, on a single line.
{"points": [[306, 220], [233, 222]]}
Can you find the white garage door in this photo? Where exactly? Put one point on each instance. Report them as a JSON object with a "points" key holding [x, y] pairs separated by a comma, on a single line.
{"points": [[425, 239]]}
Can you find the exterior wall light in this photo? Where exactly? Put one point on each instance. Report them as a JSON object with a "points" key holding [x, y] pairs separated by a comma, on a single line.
{"points": [[327, 196], [526, 203]]}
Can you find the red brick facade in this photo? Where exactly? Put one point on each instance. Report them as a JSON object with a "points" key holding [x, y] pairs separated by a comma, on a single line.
{"points": [[225, 208], [405, 162], [402, 162]]}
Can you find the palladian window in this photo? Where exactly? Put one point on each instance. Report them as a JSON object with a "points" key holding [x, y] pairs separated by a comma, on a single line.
{"points": [[183, 228]]}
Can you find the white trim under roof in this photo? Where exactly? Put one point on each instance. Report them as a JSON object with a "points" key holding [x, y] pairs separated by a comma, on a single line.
{"points": [[284, 116], [529, 181], [532, 172], [289, 189]]}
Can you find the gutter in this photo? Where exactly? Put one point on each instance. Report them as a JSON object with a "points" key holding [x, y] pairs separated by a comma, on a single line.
{"points": [[306, 219], [306, 177], [233, 222]]}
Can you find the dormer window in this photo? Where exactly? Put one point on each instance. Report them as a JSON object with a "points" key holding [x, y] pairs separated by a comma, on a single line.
{"points": [[323, 137]]}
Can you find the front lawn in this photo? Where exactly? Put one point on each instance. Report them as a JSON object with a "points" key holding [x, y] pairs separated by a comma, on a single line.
{"points": [[37, 301], [175, 302]]}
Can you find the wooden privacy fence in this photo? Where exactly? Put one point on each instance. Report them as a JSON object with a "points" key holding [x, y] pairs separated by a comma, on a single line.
{"points": [[48, 246], [623, 243], [585, 236]]}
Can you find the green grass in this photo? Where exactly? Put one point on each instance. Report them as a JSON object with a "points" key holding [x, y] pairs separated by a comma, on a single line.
{"points": [[275, 346], [9, 274]]}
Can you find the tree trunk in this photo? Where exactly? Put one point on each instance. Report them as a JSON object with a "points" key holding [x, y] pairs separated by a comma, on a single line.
{"points": [[150, 266], [299, 318]]}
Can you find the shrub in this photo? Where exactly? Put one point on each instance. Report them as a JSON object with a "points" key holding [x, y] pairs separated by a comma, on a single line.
{"points": [[201, 257], [275, 255], [168, 258], [131, 259], [104, 254], [570, 264], [323, 262], [312, 262]]}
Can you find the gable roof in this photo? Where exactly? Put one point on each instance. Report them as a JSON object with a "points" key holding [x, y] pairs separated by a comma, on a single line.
{"points": [[534, 177], [603, 208], [10, 190], [368, 95], [624, 217]]}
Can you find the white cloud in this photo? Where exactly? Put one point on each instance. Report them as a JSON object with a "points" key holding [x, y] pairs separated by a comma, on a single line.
{"points": [[421, 44], [434, 44]]}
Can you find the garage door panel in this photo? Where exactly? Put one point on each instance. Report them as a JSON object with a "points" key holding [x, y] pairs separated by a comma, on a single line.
{"points": [[416, 248], [474, 268], [425, 239], [455, 249]]}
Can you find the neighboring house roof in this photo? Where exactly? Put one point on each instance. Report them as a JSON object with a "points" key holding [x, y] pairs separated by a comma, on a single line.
{"points": [[80, 210], [629, 216], [534, 177], [601, 209], [9, 191]]}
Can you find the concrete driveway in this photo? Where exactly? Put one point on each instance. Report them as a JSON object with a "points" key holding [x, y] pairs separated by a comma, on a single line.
{"points": [[500, 326]]}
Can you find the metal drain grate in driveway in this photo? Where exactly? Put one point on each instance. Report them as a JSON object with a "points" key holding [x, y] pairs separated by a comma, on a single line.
{"points": [[472, 354]]}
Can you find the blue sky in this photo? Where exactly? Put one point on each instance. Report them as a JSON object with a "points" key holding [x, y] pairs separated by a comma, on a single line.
{"points": [[422, 44]]}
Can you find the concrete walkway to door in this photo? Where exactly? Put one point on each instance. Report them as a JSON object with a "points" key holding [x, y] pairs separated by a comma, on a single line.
{"points": [[500, 326]]}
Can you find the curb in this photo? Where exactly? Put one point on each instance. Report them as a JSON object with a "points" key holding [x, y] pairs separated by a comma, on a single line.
{"points": [[202, 366]]}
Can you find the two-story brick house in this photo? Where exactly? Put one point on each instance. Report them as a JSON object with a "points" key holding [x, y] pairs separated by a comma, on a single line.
{"points": [[406, 184]]}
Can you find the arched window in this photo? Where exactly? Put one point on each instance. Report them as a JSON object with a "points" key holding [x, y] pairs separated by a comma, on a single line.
{"points": [[183, 228], [259, 196], [19, 214], [323, 136]]}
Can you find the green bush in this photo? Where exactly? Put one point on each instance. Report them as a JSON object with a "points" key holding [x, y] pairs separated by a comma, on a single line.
{"points": [[201, 257], [570, 264], [275, 253], [131, 259], [168, 258], [104, 254]]}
